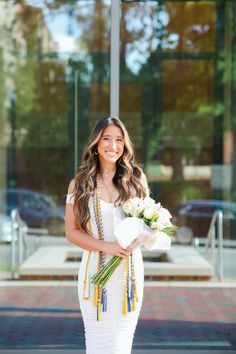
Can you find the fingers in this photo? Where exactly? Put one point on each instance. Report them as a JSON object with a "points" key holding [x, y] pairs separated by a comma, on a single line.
{"points": [[124, 253], [115, 249], [129, 249]]}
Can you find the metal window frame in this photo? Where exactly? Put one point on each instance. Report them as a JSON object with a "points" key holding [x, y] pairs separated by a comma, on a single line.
{"points": [[115, 58]]}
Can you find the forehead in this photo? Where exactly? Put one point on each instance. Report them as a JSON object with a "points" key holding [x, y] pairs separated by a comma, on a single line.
{"points": [[112, 130]]}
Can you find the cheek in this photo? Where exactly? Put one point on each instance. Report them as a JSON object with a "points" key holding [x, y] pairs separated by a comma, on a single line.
{"points": [[122, 148], [101, 145]]}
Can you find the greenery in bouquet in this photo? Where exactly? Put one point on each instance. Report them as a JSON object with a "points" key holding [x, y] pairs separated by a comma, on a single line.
{"points": [[153, 215]]}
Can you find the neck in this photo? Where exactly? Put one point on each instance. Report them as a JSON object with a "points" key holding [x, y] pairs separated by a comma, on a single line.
{"points": [[107, 171]]}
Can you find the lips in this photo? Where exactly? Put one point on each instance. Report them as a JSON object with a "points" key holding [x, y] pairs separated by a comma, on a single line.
{"points": [[111, 153]]}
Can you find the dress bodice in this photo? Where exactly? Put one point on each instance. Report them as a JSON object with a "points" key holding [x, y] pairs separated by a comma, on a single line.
{"points": [[109, 214]]}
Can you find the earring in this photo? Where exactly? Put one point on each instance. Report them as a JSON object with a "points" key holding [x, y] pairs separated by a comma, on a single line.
{"points": [[96, 152]]}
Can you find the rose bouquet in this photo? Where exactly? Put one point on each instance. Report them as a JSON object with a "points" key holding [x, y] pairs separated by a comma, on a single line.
{"points": [[146, 223]]}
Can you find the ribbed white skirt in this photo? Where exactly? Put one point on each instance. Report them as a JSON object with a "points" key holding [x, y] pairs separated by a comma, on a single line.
{"points": [[113, 334]]}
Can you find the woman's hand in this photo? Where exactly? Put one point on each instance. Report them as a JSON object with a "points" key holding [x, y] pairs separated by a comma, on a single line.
{"points": [[115, 249], [135, 244]]}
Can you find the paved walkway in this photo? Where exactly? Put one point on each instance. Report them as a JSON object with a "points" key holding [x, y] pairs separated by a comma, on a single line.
{"points": [[173, 320]]}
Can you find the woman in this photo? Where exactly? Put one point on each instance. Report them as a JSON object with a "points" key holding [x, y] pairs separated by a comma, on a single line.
{"points": [[107, 177]]}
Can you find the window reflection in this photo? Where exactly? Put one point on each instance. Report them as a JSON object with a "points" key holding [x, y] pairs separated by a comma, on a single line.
{"points": [[54, 72], [189, 26], [176, 58]]}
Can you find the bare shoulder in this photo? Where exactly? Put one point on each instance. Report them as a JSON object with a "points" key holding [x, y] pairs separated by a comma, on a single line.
{"points": [[71, 186]]}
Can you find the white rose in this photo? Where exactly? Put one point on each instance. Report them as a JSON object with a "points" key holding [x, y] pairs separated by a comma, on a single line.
{"points": [[164, 213], [138, 206], [134, 207], [149, 201], [161, 224], [149, 212], [154, 226], [158, 206], [127, 207]]}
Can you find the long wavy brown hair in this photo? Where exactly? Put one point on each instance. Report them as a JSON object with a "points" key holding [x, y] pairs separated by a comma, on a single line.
{"points": [[127, 178]]}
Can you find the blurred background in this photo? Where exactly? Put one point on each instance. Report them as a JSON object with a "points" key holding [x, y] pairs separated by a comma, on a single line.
{"points": [[177, 98]]}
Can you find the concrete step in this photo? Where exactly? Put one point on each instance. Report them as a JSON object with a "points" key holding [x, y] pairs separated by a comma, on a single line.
{"points": [[180, 263]]}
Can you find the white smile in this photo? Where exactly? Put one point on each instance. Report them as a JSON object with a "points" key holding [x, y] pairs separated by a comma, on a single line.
{"points": [[111, 153]]}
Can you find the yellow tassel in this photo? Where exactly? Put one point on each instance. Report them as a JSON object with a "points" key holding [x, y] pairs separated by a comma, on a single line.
{"points": [[134, 304], [95, 294], [135, 292], [125, 299], [98, 310], [125, 307], [85, 289], [125, 311]]}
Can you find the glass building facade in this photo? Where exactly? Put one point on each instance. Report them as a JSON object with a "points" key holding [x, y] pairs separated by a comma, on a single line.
{"points": [[176, 92]]}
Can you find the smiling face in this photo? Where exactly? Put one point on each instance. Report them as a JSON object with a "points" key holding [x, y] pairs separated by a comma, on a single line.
{"points": [[111, 144]]}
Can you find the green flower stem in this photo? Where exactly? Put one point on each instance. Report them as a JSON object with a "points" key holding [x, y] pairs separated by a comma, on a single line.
{"points": [[102, 276], [107, 270], [111, 270], [104, 280], [101, 271]]}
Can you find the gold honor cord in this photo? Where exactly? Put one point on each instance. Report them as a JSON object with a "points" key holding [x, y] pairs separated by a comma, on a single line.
{"points": [[86, 284], [100, 297], [130, 297]]}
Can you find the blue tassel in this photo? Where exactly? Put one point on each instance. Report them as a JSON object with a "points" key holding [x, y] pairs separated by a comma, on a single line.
{"points": [[129, 304], [132, 290], [104, 300], [102, 295]]}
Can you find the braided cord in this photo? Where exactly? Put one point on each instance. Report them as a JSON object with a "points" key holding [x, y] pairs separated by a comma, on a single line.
{"points": [[101, 292], [133, 295]]}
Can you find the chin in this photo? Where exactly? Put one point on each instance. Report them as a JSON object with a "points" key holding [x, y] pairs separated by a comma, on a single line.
{"points": [[111, 160]]}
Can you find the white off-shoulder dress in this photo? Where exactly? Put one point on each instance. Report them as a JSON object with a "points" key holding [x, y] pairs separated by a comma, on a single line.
{"points": [[113, 334]]}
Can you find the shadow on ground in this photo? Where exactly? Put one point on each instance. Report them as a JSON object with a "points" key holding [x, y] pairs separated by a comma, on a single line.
{"points": [[58, 328]]}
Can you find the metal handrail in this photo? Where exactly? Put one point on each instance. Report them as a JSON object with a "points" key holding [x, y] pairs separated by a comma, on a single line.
{"points": [[18, 234], [213, 235]]}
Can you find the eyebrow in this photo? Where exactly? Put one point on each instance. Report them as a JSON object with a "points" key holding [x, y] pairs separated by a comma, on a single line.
{"points": [[117, 136]]}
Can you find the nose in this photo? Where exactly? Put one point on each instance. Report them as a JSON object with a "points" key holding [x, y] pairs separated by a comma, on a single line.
{"points": [[113, 144]]}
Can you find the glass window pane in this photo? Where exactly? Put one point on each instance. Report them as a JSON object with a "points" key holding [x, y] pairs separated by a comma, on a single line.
{"points": [[178, 63], [55, 68]]}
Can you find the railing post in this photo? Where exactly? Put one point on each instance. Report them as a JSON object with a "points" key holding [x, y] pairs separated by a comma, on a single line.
{"points": [[213, 247], [216, 232], [20, 233], [220, 245], [13, 245]]}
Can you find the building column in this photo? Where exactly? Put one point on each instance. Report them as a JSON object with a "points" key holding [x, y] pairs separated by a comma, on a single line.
{"points": [[115, 59]]}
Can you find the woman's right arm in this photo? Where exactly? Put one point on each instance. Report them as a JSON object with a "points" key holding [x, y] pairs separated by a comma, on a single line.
{"points": [[83, 239]]}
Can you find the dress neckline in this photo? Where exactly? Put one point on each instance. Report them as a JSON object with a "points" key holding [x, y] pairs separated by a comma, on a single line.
{"points": [[106, 202], [110, 204]]}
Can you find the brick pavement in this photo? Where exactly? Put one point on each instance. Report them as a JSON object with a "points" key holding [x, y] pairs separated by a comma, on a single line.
{"points": [[48, 317]]}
